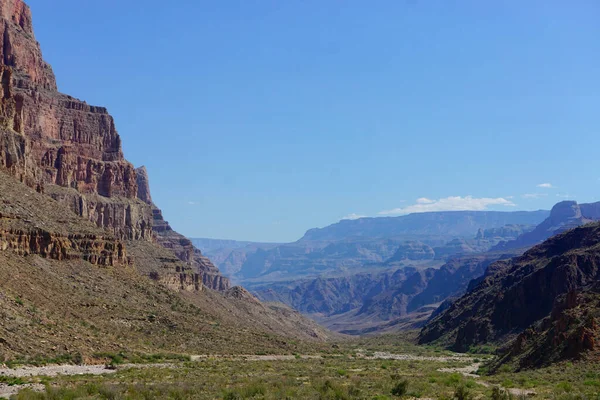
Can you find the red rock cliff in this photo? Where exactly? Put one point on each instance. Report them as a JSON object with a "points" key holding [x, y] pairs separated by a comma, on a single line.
{"points": [[54, 139], [71, 151]]}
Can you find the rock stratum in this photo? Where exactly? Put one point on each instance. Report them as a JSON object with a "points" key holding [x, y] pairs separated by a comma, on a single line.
{"points": [[71, 151]]}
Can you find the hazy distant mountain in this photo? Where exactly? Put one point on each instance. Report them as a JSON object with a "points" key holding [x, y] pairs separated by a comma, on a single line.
{"points": [[375, 301], [348, 246], [229, 255], [403, 295], [563, 216], [447, 223]]}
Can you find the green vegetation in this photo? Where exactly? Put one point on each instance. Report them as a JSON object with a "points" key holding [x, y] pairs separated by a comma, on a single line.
{"points": [[343, 375], [10, 381]]}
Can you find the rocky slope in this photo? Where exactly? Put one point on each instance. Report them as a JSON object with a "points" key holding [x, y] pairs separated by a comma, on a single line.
{"points": [[571, 331], [526, 296]]}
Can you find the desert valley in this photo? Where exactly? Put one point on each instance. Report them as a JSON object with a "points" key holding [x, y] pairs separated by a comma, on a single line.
{"points": [[100, 298]]}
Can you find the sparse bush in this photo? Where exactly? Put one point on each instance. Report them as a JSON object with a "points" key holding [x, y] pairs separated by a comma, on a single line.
{"points": [[400, 388], [565, 387], [462, 393], [500, 394], [10, 381], [232, 395]]}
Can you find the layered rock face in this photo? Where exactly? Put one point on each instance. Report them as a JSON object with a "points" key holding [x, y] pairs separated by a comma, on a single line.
{"points": [[33, 224], [97, 250], [71, 151], [49, 138], [182, 247]]}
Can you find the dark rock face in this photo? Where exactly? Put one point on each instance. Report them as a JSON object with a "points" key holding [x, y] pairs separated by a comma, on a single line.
{"points": [[521, 292], [335, 295], [452, 279], [571, 331]]}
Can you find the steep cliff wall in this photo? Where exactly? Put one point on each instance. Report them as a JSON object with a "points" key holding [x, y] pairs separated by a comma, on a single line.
{"points": [[48, 138], [71, 151]]}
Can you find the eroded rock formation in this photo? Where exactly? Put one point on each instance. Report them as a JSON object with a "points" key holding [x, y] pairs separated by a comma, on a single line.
{"points": [[97, 250]]}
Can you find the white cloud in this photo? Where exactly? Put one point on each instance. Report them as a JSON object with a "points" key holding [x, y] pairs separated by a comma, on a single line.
{"points": [[453, 203], [534, 195], [425, 200], [192, 203], [546, 186], [354, 216]]}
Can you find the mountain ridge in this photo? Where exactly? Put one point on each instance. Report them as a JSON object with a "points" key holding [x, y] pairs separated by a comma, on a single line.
{"points": [[468, 224]]}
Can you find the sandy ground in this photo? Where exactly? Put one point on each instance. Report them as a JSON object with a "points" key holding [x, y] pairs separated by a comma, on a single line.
{"points": [[469, 370]]}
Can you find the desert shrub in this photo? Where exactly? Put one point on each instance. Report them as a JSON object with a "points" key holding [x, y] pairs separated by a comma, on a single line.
{"points": [[10, 381], [462, 393], [400, 388], [500, 394]]}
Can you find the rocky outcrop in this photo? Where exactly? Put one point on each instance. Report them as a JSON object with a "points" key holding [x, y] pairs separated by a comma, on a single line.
{"points": [[506, 232], [183, 248], [97, 250], [521, 292], [143, 185]]}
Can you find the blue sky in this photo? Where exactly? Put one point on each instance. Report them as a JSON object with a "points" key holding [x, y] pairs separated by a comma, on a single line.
{"points": [[260, 119]]}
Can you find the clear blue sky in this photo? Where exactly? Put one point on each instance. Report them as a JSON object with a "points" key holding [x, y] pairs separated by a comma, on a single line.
{"points": [[259, 119]]}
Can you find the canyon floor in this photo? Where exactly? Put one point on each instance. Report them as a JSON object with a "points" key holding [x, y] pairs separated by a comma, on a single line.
{"points": [[375, 368]]}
